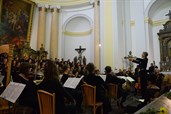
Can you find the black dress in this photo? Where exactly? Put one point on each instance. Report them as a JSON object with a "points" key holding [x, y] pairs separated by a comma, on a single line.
{"points": [[54, 86], [121, 93], [101, 90], [29, 95]]}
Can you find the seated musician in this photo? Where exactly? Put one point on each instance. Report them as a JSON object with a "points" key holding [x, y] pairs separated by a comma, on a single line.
{"points": [[159, 78], [75, 93], [29, 96], [152, 91], [113, 79], [65, 76], [52, 84], [101, 88]]}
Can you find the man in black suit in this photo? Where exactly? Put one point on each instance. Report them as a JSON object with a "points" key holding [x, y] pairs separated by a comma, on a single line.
{"points": [[142, 73], [113, 79], [101, 88]]}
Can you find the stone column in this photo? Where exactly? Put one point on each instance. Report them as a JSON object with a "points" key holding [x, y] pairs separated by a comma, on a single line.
{"points": [[41, 27], [54, 33], [97, 33]]}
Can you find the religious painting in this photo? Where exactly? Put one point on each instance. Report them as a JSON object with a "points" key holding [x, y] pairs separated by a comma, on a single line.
{"points": [[16, 20]]}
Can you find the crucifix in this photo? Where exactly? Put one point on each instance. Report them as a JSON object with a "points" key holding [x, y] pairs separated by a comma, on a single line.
{"points": [[80, 50], [169, 14]]}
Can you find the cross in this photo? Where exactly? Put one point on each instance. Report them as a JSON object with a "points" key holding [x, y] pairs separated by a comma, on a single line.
{"points": [[169, 14], [80, 50]]}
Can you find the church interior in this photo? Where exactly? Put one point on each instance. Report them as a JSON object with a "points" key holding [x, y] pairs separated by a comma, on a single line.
{"points": [[64, 56]]}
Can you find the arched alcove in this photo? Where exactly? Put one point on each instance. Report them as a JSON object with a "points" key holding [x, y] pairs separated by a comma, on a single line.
{"points": [[78, 31], [156, 11], [156, 6]]}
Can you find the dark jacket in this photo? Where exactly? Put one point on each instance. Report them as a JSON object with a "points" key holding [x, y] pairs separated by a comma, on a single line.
{"points": [[29, 96], [142, 63], [54, 86]]}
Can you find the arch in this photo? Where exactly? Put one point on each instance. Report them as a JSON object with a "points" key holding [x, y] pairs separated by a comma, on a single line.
{"points": [[149, 7], [153, 6], [76, 16]]}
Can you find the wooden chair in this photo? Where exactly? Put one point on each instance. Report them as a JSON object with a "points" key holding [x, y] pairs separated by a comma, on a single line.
{"points": [[89, 97], [113, 93], [4, 105], [46, 102]]}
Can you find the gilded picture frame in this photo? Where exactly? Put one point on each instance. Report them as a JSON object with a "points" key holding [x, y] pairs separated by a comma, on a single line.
{"points": [[15, 21]]}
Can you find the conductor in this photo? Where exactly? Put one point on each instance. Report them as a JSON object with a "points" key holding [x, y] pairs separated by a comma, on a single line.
{"points": [[142, 73]]}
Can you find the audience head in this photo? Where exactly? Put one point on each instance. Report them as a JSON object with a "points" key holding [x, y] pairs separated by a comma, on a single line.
{"points": [[90, 67], [97, 72], [66, 68], [25, 68], [108, 69], [50, 70], [144, 55]]}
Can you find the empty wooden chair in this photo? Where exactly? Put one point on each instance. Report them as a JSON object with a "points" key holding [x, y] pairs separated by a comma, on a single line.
{"points": [[89, 97], [46, 102]]}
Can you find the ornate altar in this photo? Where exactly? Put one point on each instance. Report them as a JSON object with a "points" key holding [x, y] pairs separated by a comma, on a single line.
{"points": [[26, 50], [165, 45]]}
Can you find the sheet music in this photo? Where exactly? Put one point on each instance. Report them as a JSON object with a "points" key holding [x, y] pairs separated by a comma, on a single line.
{"points": [[72, 82], [130, 79], [13, 91], [103, 77], [122, 77], [126, 78]]}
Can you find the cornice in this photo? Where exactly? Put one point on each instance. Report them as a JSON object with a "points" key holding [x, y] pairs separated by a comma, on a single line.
{"points": [[61, 3], [155, 22]]}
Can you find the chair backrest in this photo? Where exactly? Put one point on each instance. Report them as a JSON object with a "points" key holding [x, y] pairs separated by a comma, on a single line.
{"points": [[46, 102], [8, 48], [89, 94], [113, 90]]}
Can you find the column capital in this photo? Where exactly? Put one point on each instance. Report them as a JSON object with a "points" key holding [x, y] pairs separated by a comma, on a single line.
{"points": [[41, 8], [55, 8], [95, 2], [92, 1]]}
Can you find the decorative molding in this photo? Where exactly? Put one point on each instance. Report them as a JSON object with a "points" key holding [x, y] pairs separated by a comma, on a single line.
{"points": [[61, 3], [85, 33], [155, 22], [148, 20], [91, 1], [42, 7], [159, 22], [132, 23]]}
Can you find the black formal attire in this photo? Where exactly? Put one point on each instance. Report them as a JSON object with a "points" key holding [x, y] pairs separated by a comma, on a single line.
{"points": [[76, 93], [101, 90], [159, 80], [29, 96], [54, 86], [64, 78], [142, 73], [121, 93], [151, 70]]}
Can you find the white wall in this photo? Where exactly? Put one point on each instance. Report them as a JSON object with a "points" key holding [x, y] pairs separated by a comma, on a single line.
{"points": [[80, 20]]}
